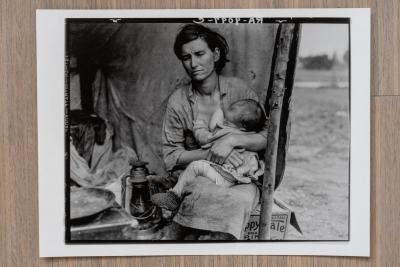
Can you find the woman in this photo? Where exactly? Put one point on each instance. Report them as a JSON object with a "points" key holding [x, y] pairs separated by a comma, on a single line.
{"points": [[203, 54]]}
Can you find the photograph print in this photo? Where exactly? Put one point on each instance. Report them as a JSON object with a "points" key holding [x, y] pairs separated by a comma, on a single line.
{"points": [[207, 129]]}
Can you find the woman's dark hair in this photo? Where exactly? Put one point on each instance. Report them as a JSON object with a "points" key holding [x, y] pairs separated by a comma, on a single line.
{"points": [[191, 32]]}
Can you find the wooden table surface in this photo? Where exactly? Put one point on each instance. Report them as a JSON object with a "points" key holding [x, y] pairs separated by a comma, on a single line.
{"points": [[18, 136]]}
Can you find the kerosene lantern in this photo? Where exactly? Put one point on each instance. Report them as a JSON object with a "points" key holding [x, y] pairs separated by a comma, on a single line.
{"points": [[136, 201]]}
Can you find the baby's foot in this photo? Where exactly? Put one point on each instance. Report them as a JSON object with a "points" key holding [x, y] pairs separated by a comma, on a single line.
{"points": [[168, 200]]}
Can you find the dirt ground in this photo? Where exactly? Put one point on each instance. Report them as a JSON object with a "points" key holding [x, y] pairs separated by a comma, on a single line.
{"points": [[316, 182]]}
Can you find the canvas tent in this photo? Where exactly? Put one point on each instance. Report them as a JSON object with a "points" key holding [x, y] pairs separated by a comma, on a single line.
{"points": [[132, 67]]}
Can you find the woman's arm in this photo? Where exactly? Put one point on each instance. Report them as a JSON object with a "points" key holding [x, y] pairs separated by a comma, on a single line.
{"points": [[191, 155], [253, 142], [173, 138], [222, 148]]}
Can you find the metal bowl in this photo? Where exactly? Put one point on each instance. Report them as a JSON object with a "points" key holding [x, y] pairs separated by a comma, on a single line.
{"points": [[85, 202]]}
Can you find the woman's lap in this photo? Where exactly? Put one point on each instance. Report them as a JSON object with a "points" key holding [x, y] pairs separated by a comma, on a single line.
{"points": [[211, 207]]}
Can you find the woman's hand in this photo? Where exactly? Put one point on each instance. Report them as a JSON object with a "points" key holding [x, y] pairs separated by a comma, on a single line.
{"points": [[220, 150]]}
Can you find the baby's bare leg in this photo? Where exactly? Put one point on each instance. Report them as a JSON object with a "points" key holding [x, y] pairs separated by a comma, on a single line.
{"points": [[194, 169]]}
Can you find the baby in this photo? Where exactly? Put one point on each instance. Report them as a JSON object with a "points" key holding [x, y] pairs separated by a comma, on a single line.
{"points": [[242, 117]]}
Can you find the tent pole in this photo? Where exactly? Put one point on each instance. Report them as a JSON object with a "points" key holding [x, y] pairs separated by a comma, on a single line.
{"points": [[286, 47]]}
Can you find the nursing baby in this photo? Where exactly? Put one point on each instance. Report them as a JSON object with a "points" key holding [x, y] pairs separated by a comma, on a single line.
{"points": [[241, 117]]}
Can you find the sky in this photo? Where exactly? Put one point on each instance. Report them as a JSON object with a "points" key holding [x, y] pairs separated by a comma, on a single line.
{"points": [[317, 39]]}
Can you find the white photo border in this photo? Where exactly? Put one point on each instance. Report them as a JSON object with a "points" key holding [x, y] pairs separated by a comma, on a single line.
{"points": [[50, 30]]}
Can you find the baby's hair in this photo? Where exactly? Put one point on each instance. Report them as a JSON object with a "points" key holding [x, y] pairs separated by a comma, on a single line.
{"points": [[251, 117]]}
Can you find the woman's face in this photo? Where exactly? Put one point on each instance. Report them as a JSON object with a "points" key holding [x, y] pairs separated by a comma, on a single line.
{"points": [[199, 60]]}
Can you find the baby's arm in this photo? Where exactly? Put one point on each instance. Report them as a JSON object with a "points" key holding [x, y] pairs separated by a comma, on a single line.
{"points": [[201, 132]]}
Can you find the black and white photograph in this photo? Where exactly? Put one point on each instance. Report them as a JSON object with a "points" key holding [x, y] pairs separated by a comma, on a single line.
{"points": [[204, 132], [207, 129]]}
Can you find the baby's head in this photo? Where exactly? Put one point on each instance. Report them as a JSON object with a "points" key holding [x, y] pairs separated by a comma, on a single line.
{"points": [[246, 114]]}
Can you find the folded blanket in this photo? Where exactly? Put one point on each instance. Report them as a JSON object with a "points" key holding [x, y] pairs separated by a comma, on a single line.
{"points": [[215, 208]]}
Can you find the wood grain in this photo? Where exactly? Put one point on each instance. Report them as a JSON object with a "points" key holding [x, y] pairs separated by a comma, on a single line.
{"points": [[18, 135]]}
